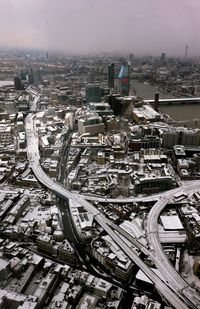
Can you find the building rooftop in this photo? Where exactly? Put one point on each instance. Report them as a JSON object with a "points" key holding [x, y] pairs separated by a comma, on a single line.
{"points": [[171, 222]]}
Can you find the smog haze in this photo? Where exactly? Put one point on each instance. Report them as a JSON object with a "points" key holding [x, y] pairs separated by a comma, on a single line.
{"points": [[144, 27]]}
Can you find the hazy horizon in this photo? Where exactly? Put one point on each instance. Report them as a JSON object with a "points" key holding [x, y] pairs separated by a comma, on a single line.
{"points": [[142, 27]]}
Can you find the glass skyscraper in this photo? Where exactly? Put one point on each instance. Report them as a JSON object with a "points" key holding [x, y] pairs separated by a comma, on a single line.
{"points": [[124, 80]]}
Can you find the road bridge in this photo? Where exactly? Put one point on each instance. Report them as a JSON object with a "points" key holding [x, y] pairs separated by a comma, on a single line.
{"points": [[188, 100]]}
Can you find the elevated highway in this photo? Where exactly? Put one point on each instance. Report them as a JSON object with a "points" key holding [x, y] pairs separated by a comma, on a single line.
{"points": [[173, 286]]}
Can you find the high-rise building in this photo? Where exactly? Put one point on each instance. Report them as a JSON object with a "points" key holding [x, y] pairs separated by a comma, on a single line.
{"points": [[186, 51], [91, 77], [46, 56], [162, 57], [37, 77], [156, 101], [111, 75], [131, 58], [17, 83], [30, 77], [115, 102], [23, 76], [124, 80], [93, 93]]}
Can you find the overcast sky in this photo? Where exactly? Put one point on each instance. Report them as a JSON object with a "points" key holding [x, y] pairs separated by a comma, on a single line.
{"points": [[138, 26]]}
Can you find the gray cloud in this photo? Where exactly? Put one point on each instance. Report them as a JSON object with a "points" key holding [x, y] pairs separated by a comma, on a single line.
{"points": [[139, 26]]}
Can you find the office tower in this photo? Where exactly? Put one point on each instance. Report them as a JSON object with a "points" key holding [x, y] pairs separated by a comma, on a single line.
{"points": [[124, 80], [23, 76], [186, 51], [93, 93], [91, 77], [131, 58], [162, 57], [46, 56], [156, 101], [37, 77], [111, 75], [17, 83], [115, 102], [30, 77]]}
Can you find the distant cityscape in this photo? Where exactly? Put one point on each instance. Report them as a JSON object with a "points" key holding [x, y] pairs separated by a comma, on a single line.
{"points": [[99, 182]]}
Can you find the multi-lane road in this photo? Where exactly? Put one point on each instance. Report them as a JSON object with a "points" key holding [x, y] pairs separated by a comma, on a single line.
{"points": [[172, 287]]}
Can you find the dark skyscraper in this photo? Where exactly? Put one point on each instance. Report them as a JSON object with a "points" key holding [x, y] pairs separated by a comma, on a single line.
{"points": [[46, 56], [186, 51], [30, 77], [124, 80], [17, 83], [111, 75], [162, 57], [156, 101], [93, 93], [91, 77], [23, 76], [131, 58]]}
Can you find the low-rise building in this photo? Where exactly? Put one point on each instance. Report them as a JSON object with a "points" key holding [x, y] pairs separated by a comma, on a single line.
{"points": [[92, 125], [111, 257], [82, 221], [63, 250], [145, 114], [191, 220], [149, 185]]}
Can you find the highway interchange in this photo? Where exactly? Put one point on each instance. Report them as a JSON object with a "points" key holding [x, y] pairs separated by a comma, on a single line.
{"points": [[169, 283]]}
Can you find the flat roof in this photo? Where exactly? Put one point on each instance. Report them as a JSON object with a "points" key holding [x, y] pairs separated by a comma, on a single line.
{"points": [[171, 222]]}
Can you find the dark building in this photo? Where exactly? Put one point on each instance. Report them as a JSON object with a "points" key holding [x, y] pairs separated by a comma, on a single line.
{"points": [[111, 75], [156, 102], [30, 77], [37, 76], [23, 76], [186, 51], [145, 143], [115, 102], [131, 56], [93, 93], [46, 56], [17, 83], [162, 57], [91, 77], [150, 185]]}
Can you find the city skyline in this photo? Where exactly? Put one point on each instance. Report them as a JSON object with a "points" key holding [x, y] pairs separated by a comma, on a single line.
{"points": [[141, 27]]}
